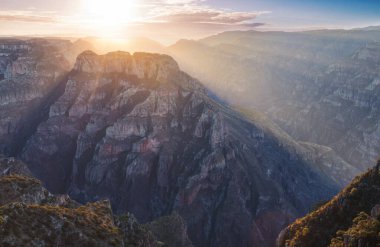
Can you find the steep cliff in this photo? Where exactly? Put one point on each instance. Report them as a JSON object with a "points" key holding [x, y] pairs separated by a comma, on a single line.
{"points": [[31, 75], [137, 130]]}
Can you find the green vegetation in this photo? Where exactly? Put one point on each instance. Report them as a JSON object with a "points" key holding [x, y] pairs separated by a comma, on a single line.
{"points": [[170, 230], [135, 234], [13, 187], [79, 227], [31, 216], [365, 229], [345, 217]]}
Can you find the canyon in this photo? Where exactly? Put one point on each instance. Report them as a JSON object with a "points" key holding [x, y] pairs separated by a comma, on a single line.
{"points": [[138, 131], [318, 86]]}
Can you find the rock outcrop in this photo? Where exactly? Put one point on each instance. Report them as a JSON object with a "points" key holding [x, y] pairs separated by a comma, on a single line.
{"points": [[10, 165], [32, 216], [137, 130]]}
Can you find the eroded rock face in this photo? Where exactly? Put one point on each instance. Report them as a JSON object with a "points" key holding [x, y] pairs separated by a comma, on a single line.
{"points": [[32, 72], [321, 87], [137, 130]]}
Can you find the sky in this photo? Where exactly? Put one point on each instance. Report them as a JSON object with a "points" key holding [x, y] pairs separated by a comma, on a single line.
{"points": [[170, 20]]}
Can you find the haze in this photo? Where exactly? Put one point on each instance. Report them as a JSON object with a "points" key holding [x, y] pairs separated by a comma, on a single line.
{"points": [[169, 20]]}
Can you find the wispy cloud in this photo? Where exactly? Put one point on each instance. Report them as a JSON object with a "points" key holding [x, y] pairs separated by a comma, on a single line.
{"points": [[197, 11], [26, 16], [167, 20], [209, 16]]}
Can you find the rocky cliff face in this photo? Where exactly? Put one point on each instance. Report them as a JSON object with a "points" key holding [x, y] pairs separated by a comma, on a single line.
{"points": [[137, 130], [321, 87], [344, 113], [30, 80]]}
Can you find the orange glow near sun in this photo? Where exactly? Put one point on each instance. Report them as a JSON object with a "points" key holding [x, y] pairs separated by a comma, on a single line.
{"points": [[110, 16]]}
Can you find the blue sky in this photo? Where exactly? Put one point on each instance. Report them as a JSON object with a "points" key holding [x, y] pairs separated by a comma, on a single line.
{"points": [[174, 19], [298, 13]]}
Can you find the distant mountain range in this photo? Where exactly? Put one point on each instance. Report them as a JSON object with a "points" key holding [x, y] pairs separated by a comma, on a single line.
{"points": [[319, 86], [137, 130]]}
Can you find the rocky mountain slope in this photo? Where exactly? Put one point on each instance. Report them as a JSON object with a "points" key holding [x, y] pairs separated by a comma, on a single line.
{"points": [[31, 73], [137, 130], [320, 86], [31, 216], [350, 219]]}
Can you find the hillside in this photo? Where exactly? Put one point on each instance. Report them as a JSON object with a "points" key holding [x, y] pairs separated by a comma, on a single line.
{"points": [[350, 219], [31, 216], [135, 129]]}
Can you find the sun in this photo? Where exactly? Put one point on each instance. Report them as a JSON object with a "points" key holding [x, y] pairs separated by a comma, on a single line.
{"points": [[110, 15]]}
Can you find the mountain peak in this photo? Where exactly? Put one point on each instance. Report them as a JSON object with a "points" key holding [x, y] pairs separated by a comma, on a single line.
{"points": [[142, 65]]}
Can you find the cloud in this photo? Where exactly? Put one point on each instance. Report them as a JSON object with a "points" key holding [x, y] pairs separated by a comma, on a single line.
{"points": [[195, 13], [25, 17], [180, 1], [165, 20], [191, 19], [209, 16]]}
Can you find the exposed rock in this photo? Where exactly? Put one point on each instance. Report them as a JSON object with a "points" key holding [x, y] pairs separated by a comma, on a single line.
{"points": [[137, 130], [375, 212], [31, 77], [171, 230], [320, 86], [10, 165]]}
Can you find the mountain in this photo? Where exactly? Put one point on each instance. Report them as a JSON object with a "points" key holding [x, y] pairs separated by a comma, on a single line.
{"points": [[31, 216], [138, 131], [31, 73], [319, 86], [352, 218], [134, 44]]}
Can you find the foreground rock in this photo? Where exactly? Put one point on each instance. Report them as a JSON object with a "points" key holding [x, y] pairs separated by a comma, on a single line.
{"points": [[351, 219], [137, 130], [31, 216]]}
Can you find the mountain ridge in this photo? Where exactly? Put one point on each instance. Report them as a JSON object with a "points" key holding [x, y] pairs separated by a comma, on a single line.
{"points": [[146, 135], [137, 130], [318, 86]]}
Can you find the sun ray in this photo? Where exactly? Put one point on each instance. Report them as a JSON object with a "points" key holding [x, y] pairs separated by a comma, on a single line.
{"points": [[110, 16]]}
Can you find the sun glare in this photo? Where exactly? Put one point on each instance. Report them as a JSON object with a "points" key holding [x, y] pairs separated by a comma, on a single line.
{"points": [[110, 16]]}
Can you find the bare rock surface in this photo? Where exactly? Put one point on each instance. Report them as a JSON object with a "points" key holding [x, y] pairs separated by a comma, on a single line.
{"points": [[137, 130], [31, 75]]}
